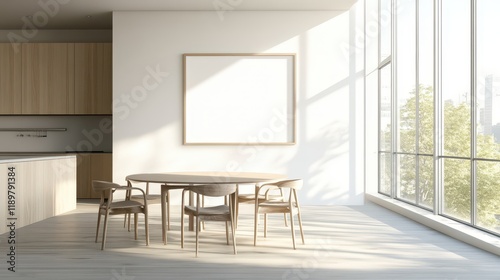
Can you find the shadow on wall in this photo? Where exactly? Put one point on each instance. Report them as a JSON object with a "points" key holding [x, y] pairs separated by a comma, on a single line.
{"points": [[328, 155], [316, 160]]}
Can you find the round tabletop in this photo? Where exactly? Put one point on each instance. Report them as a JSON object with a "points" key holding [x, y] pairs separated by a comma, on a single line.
{"points": [[208, 177]]}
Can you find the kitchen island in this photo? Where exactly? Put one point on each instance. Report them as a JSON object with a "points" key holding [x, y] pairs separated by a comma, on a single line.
{"points": [[35, 188]]}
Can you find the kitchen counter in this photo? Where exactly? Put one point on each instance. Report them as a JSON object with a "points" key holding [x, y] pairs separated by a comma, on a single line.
{"points": [[35, 187]]}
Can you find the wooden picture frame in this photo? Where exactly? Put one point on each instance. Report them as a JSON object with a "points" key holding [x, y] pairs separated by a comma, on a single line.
{"points": [[239, 99]]}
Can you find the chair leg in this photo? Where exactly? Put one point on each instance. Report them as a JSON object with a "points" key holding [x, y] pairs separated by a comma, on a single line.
{"points": [[284, 214], [104, 231], [203, 205], [146, 226], [265, 225], [300, 225], [168, 211], [236, 212], [255, 225], [197, 233], [182, 226], [129, 218], [236, 207], [136, 223], [164, 204], [293, 231], [233, 231], [98, 224], [298, 215], [227, 233]]}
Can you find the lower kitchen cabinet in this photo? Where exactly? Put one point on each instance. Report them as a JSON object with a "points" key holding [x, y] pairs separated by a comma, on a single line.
{"points": [[92, 167]]}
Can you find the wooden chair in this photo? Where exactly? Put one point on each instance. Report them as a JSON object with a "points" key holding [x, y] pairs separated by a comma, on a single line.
{"points": [[290, 206], [152, 199], [107, 206], [249, 198], [223, 212]]}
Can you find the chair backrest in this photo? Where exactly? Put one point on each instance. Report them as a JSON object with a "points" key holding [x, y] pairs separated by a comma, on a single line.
{"points": [[100, 186], [291, 183], [214, 189]]}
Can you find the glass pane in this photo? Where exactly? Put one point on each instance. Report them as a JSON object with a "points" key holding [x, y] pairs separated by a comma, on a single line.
{"points": [[488, 79], [385, 173], [488, 195], [457, 190], [456, 76], [406, 178], [406, 76], [385, 29], [385, 109], [426, 77], [426, 181], [371, 36]]}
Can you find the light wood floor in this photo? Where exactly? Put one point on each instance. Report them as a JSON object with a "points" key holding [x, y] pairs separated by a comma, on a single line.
{"points": [[342, 242]]}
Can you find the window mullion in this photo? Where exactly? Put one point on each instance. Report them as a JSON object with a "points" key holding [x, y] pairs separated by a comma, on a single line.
{"points": [[438, 112], [394, 105], [417, 105], [473, 113]]}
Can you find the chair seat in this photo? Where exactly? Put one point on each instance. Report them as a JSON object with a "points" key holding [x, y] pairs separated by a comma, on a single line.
{"points": [[247, 196], [151, 198], [251, 197], [125, 204], [269, 207], [208, 211], [276, 204]]}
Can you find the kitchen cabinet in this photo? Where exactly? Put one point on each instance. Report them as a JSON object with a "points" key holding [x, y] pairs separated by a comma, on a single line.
{"points": [[10, 80], [93, 78], [48, 78], [92, 167]]}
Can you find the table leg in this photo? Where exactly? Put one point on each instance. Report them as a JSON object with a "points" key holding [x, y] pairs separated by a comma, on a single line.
{"points": [[163, 215], [191, 217]]}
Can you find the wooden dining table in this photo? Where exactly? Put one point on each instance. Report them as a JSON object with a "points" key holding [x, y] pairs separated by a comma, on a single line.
{"points": [[176, 180]]}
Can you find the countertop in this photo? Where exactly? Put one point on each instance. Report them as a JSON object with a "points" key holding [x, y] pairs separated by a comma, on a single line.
{"points": [[24, 158]]}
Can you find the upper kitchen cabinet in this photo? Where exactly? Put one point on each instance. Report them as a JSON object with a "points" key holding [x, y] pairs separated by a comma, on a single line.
{"points": [[10, 80], [48, 78], [93, 76]]}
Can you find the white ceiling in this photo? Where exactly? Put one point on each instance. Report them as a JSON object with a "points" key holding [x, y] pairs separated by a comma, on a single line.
{"points": [[73, 14]]}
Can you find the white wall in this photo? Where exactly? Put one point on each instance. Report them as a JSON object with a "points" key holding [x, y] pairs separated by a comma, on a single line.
{"points": [[148, 108]]}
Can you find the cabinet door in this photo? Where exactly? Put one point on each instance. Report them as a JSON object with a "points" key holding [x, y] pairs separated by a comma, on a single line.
{"points": [[83, 187], [101, 168], [48, 78], [93, 78], [10, 80]]}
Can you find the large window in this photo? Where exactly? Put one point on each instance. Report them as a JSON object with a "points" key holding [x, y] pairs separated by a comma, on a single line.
{"points": [[439, 106]]}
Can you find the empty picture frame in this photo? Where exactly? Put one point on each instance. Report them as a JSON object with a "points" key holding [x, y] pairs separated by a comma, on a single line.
{"points": [[239, 99]]}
